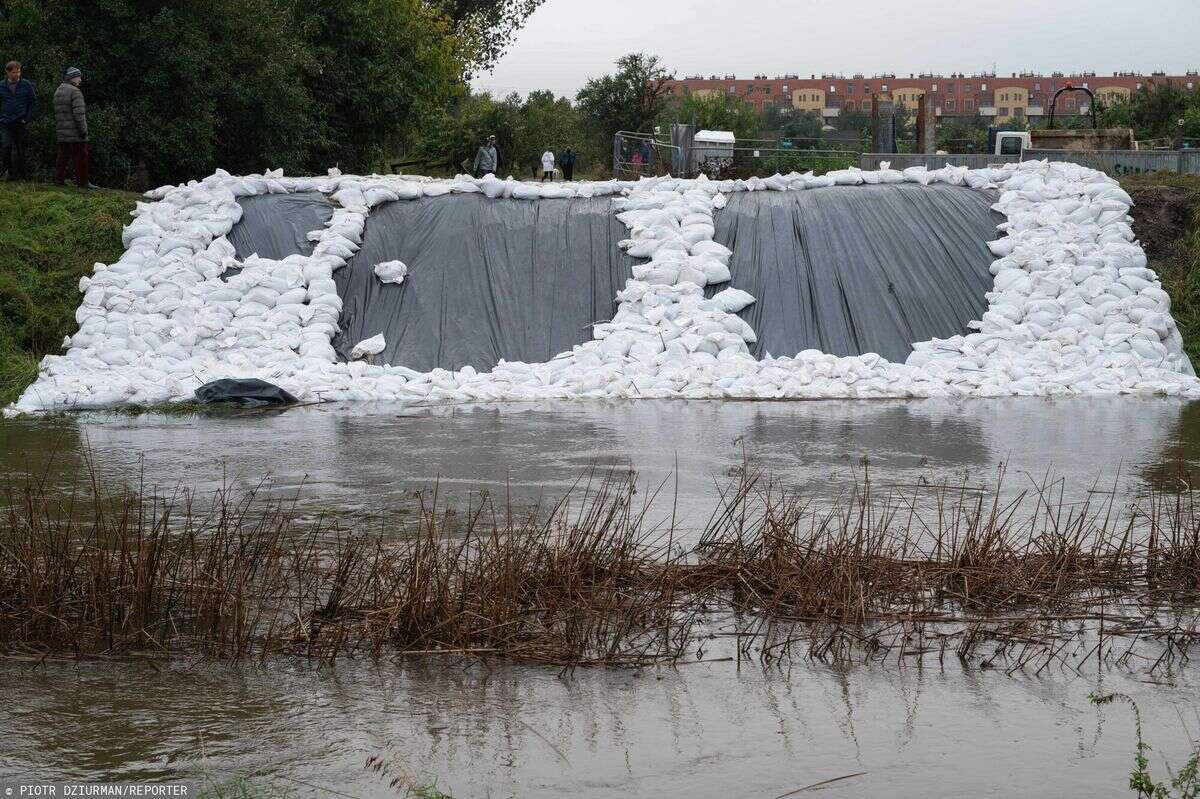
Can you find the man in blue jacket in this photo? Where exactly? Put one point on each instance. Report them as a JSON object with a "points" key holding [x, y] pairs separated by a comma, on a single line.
{"points": [[16, 109]]}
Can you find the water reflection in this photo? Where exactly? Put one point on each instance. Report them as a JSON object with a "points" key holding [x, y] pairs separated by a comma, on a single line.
{"points": [[701, 730], [362, 461]]}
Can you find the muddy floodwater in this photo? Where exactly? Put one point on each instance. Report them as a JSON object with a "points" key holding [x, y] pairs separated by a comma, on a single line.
{"points": [[362, 461], [712, 729]]}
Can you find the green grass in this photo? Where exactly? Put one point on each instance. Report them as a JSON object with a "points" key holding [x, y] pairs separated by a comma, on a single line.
{"points": [[49, 238], [1176, 259]]}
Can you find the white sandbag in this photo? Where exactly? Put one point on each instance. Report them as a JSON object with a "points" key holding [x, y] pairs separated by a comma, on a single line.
{"points": [[733, 300], [371, 346], [391, 271]]}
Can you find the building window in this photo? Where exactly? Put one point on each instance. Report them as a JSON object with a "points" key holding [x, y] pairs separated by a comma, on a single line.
{"points": [[849, 88], [733, 89], [785, 88], [849, 105], [1085, 84], [967, 88], [1070, 102], [1002, 111], [949, 88], [983, 87], [1037, 87], [1018, 111], [1139, 87], [949, 103], [885, 86], [832, 89], [968, 105], [935, 87]]}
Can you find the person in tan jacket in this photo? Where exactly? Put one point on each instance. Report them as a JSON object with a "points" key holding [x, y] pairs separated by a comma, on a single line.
{"points": [[71, 130]]}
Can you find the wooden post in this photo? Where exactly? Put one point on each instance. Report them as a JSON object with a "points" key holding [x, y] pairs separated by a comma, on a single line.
{"points": [[877, 137]]}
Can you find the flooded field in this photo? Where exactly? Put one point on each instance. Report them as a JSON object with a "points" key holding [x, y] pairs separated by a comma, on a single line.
{"points": [[501, 731], [363, 462], [717, 728]]}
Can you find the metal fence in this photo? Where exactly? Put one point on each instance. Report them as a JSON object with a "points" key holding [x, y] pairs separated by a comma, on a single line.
{"points": [[906, 160], [644, 155], [1123, 162], [1113, 162], [746, 162]]}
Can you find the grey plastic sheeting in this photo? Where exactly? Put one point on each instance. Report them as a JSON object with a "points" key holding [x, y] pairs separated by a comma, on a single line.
{"points": [[277, 225], [487, 279], [855, 269]]}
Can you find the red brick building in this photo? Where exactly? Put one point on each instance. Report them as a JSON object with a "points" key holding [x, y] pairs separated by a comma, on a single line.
{"points": [[1005, 97]]}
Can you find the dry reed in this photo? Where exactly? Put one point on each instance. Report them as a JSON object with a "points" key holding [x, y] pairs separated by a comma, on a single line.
{"points": [[912, 573]]}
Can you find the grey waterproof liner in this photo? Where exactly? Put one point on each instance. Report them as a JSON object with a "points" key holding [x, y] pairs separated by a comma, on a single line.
{"points": [[487, 279], [845, 270], [277, 225], [855, 269]]}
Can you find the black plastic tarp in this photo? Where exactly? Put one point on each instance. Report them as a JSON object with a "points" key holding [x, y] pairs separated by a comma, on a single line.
{"points": [[487, 279], [247, 393], [277, 225], [855, 269]]}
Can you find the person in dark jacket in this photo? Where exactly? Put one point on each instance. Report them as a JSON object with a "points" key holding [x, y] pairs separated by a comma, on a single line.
{"points": [[16, 110], [567, 162], [71, 130], [487, 160], [535, 163]]}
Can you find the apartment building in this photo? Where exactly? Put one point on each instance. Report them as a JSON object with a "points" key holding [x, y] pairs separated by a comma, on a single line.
{"points": [[1005, 97]]}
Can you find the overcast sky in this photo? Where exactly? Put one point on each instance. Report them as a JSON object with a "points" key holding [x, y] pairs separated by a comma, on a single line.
{"points": [[567, 41]]}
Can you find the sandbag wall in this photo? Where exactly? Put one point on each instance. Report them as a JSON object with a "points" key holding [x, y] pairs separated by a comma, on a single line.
{"points": [[1074, 307]]}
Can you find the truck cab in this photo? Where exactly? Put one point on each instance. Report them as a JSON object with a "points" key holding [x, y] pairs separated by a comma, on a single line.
{"points": [[1007, 142]]}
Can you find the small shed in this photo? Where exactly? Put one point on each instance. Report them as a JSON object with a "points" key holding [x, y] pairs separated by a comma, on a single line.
{"points": [[713, 144]]}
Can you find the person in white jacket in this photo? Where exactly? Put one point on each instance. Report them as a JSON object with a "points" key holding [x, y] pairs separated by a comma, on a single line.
{"points": [[548, 166]]}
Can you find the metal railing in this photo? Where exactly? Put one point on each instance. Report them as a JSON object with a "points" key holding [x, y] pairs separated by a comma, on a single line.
{"points": [[746, 162], [1112, 162], [1122, 162], [644, 155]]}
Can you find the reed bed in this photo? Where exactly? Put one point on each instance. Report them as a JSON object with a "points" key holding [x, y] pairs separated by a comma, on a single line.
{"points": [[1024, 580]]}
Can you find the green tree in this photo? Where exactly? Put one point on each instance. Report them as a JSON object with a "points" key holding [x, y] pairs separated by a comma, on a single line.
{"points": [[1154, 112], [484, 28], [714, 112], [524, 129], [186, 87], [630, 99]]}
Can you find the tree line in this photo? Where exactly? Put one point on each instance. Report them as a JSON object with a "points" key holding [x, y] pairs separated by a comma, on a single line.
{"points": [[177, 88]]}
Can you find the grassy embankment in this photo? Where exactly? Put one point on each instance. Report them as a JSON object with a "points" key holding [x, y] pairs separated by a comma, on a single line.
{"points": [[1166, 218], [51, 236]]}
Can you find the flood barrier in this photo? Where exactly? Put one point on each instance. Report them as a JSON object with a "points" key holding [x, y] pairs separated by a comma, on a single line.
{"points": [[855, 269], [845, 270], [487, 279]]}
